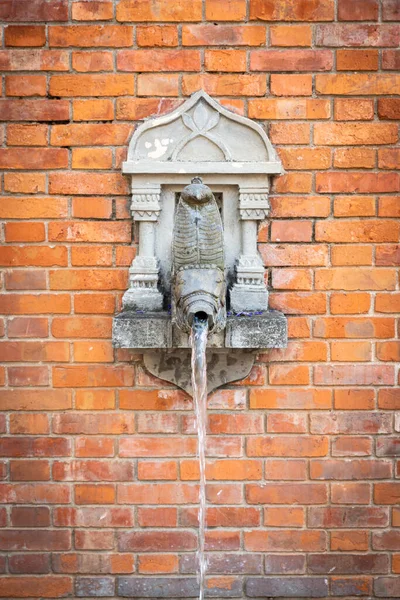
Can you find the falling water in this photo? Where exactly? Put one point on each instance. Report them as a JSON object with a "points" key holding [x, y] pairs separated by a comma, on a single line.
{"points": [[198, 340]]}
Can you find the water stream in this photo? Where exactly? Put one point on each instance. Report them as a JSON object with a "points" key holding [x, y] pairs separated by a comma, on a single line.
{"points": [[198, 341]]}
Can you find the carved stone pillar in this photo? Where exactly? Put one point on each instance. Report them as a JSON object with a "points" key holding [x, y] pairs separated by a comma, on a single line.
{"points": [[249, 293], [143, 293]]}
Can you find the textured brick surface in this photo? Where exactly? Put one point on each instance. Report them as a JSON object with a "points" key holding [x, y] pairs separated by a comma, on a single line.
{"points": [[98, 463]]}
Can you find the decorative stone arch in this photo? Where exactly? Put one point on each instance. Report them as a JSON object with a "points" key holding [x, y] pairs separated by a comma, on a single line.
{"points": [[231, 153]]}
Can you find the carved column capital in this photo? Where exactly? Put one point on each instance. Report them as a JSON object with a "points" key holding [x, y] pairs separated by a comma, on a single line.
{"points": [[145, 205], [253, 203]]}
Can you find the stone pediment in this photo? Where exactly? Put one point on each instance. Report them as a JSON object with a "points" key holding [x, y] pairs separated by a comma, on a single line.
{"points": [[201, 136]]}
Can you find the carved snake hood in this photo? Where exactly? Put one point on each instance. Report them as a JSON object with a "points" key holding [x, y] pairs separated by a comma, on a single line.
{"points": [[198, 258]]}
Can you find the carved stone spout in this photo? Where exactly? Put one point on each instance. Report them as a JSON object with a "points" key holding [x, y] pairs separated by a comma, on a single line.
{"points": [[198, 259]]}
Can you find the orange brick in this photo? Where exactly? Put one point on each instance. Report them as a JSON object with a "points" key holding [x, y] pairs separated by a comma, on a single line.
{"points": [[355, 279], [299, 302], [92, 61], [93, 352], [33, 256], [92, 158], [351, 351], [284, 423], [291, 85], [27, 135], [91, 207], [351, 254], [76, 327], [156, 563], [159, 10], [24, 183], [289, 133], [157, 35], [357, 84], [24, 232], [33, 208], [25, 85], [91, 85], [108, 36], [28, 376], [363, 327], [225, 60], [388, 351], [305, 158], [25, 35], [88, 183], [357, 60], [93, 399], [28, 327], [27, 158], [351, 399], [225, 85], [158, 85], [350, 303], [230, 10], [88, 10], [283, 517], [314, 10], [291, 279], [29, 423], [93, 110], [299, 183], [369, 230], [344, 134], [291, 35], [387, 303], [288, 375], [301, 108], [354, 158], [389, 206], [94, 376], [162, 470], [349, 541], [298, 351], [29, 279], [291, 60], [94, 494], [354, 109]]}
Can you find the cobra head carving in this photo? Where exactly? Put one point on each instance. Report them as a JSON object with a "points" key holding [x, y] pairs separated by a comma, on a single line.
{"points": [[198, 259]]}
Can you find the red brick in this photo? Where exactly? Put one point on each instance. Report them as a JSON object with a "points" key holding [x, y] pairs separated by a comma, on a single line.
{"points": [[25, 85], [25, 35], [291, 60], [223, 35], [92, 61], [19, 279], [344, 517], [160, 10], [88, 10], [28, 327], [388, 351], [351, 423], [389, 108], [362, 158], [161, 470], [26, 516], [158, 85], [94, 540], [286, 541], [357, 35], [353, 375], [158, 493], [389, 399], [28, 376], [34, 110], [92, 376], [390, 60], [304, 446], [352, 446], [48, 587], [158, 60], [314, 10], [108, 36], [351, 493], [290, 399], [353, 10], [360, 469], [387, 493], [349, 541]]}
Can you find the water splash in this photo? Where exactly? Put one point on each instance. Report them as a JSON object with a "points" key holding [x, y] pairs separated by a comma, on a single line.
{"points": [[198, 341]]}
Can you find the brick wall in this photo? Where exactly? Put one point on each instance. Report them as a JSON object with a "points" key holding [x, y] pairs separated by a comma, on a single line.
{"points": [[98, 459]]}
